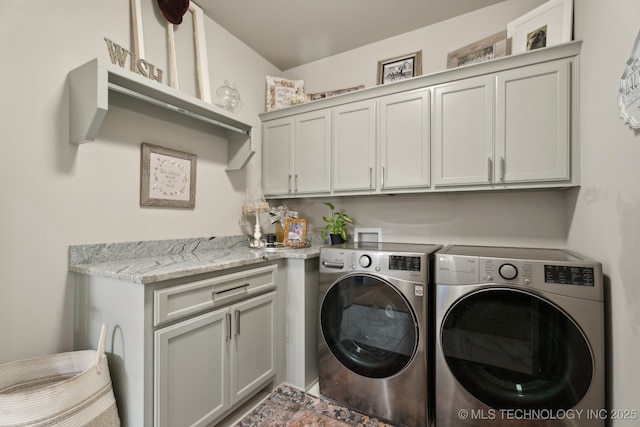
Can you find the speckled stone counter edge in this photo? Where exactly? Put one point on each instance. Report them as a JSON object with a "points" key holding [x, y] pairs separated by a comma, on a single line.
{"points": [[105, 252], [153, 261]]}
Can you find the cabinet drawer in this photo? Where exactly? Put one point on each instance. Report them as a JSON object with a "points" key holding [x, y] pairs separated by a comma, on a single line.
{"points": [[181, 301]]}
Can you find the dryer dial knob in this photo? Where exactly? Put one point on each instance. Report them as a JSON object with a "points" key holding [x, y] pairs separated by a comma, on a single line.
{"points": [[365, 261], [508, 271]]}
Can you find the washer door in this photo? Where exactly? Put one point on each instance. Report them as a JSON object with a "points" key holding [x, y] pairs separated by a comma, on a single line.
{"points": [[514, 350], [369, 326]]}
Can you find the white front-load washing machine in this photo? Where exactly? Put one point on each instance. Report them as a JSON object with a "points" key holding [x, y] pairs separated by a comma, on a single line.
{"points": [[374, 308], [519, 338]]}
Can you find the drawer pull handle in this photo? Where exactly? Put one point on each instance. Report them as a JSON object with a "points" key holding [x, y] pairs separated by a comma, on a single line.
{"points": [[237, 312], [240, 288], [228, 316]]}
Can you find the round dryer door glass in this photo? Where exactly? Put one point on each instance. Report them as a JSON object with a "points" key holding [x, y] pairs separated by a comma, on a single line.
{"points": [[369, 326], [514, 350]]}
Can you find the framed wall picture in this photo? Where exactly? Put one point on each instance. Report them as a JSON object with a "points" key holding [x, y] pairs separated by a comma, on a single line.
{"points": [[295, 232], [494, 46], [546, 25], [167, 177], [400, 68]]}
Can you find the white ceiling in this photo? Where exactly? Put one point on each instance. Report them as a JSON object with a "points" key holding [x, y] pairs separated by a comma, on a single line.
{"points": [[289, 33]]}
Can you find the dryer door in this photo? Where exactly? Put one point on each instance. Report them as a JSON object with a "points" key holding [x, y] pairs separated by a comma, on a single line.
{"points": [[369, 326], [514, 350]]}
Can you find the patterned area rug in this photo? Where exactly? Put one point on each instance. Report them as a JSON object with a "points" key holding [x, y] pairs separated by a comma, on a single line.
{"points": [[290, 407]]}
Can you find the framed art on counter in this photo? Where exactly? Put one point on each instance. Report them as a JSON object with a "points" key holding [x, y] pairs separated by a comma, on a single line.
{"points": [[295, 232], [167, 177]]}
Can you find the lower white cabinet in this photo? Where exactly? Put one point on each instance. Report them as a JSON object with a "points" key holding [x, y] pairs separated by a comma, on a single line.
{"points": [[301, 322], [187, 351], [204, 365]]}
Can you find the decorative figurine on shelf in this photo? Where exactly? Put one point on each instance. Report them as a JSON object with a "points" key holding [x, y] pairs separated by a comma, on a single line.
{"points": [[228, 97], [278, 216], [255, 204]]}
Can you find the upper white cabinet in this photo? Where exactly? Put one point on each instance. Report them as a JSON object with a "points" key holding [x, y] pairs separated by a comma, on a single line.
{"points": [[277, 157], [508, 128], [312, 148], [500, 124], [403, 141], [382, 145], [296, 155], [92, 84], [463, 132], [533, 117], [354, 147]]}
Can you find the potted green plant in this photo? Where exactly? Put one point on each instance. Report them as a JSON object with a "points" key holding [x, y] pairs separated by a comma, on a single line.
{"points": [[336, 225]]}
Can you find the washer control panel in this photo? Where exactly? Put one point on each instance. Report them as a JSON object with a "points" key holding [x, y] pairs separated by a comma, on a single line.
{"points": [[407, 266]]}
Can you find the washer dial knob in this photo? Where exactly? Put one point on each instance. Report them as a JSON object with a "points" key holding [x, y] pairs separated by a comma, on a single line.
{"points": [[365, 261], [508, 271]]}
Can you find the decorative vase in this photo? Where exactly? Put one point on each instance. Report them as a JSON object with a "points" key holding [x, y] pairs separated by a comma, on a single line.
{"points": [[279, 232], [336, 239]]}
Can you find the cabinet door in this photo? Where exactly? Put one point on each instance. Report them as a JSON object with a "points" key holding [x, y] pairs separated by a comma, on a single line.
{"points": [[191, 371], [253, 349], [277, 157], [312, 153], [404, 140], [532, 123], [463, 132], [353, 146]]}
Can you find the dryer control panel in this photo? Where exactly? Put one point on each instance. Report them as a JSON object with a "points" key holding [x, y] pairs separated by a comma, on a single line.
{"points": [[473, 270], [578, 277]]}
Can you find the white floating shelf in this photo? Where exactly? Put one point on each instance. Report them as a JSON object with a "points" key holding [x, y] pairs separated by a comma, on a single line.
{"points": [[89, 87]]}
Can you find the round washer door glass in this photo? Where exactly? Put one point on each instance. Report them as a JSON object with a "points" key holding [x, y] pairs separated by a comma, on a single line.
{"points": [[369, 326], [514, 350]]}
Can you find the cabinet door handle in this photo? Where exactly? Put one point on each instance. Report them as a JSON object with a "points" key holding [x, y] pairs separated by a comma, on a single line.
{"points": [[370, 177], [382, 178], [489, 168], [289, 183], [502, 168], [228, 316], [295, 184], [237, 312]]}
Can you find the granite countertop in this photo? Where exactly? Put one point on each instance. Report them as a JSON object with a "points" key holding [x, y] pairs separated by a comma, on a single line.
{"points": [[154, 261]]}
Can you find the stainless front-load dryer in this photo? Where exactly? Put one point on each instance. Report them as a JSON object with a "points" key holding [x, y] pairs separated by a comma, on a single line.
{"points": [[520, 338], [374, 310]]}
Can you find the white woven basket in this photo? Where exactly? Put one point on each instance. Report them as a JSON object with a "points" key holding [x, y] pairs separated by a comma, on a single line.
{"points": [[65, 389]]}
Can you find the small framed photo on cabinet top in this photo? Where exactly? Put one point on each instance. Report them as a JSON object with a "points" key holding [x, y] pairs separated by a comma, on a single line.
{"points": [[295, 232], [400, 68]]}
